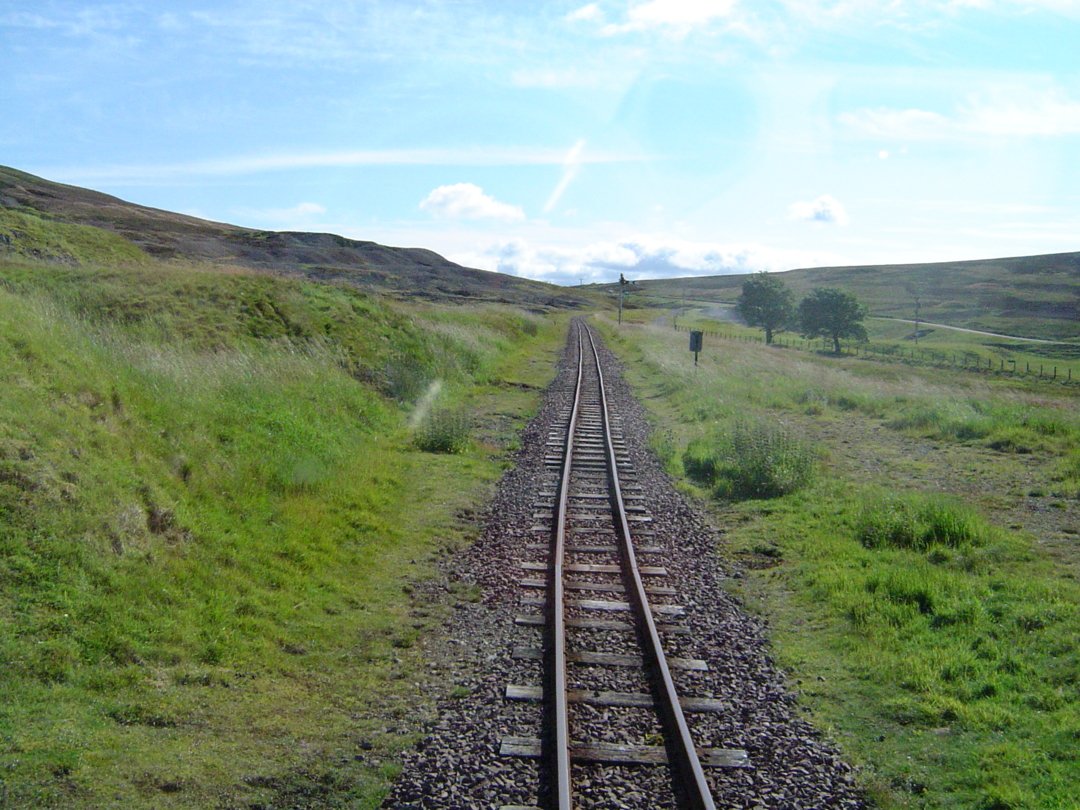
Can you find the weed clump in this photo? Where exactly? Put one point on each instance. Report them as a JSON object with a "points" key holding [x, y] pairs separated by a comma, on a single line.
{"points": [[1067, 475], [918, 522], [404, 379], [754, 460], [444, 431]]}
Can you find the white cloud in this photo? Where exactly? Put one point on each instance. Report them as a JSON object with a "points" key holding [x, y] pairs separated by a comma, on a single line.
{"points": [[1000, 112], [825, 209], [915, 13], [680, 16], [587, 13], [1023, 114], [637, 258], [468, 201]]}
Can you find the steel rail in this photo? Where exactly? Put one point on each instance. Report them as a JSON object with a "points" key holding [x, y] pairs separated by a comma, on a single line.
{"points": [[682, 753], [559, 741]]}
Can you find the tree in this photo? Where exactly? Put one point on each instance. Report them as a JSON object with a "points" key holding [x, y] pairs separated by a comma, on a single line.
{"points": [[832, 313], [768, 303]]}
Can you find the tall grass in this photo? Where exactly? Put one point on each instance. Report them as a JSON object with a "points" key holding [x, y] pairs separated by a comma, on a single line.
{"points": [[1067, 475], [917, 522], [751, 460], [444, 430], [940, 650], [210, 511]]}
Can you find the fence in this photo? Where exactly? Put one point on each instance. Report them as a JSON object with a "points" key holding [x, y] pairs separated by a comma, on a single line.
{"points": [[962, 361]]}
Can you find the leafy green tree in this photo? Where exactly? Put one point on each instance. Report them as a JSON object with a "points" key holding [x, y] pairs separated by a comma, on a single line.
{"points": [[832, 313], [766, 302]]}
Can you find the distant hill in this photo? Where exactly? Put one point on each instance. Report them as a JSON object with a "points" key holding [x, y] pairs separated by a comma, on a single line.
{"points": [[1028, 296], [41, 219]]}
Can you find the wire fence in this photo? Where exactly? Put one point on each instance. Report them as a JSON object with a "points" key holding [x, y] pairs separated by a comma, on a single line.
{"points": [[960, 361]]}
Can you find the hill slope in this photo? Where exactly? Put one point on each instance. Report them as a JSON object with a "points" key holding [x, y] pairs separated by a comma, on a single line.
{"points": [[43, 219], [1028, 296], [214, 507]]}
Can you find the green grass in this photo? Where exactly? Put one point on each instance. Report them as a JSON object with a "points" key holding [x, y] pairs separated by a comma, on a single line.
{"points": [[995, 411], [919, 523], [1031, 296], [26, 235], [442, 430], [938, 648], [948, 673], [752, 460], [893, 342], [212, 509]]}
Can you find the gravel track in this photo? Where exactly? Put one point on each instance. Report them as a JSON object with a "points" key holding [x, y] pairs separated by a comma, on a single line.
{"points": [[458, 764]]}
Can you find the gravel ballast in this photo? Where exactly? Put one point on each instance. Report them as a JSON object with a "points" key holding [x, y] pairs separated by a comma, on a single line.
{"points": [[458, 764]]}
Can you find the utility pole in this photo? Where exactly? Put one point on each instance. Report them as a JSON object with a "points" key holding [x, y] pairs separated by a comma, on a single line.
{"points": [[914, 291], [622, 289]]}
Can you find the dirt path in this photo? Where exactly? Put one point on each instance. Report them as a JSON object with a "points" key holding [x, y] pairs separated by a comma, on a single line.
{"points": [[971, 331]]}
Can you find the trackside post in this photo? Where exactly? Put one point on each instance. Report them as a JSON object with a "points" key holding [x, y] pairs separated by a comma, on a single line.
{"points": [[695, 343]]}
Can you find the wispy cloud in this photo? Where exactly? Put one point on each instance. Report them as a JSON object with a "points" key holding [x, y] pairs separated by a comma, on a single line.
{"points": [[588, 13], [89, 22], [1011, 112], [257, 164], [677, 16], [556, 78], [826, 210], [468, 201], [571, 166], [299, 215]]}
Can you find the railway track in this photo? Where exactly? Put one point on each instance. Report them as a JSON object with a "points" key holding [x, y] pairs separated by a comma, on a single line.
{"points": [[609, 692]]}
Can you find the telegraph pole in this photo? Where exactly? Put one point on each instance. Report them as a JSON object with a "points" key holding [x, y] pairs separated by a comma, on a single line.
{"points": [[622, 289]]}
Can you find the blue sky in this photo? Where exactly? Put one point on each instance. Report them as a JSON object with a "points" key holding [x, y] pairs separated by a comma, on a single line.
{"points": [[571, 141]]}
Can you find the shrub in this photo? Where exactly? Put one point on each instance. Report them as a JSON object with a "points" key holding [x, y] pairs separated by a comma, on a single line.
{"points": [[756, 460], [701, 460], [918, 522], [404, 378], [444, 431], [767, 461]]}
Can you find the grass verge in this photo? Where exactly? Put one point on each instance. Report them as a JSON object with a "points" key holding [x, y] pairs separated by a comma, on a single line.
{"points": [[212, 511], [938, 649]]}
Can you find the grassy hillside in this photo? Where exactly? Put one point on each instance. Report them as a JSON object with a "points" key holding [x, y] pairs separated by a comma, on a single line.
{"points": [[892, 341], [135, 230], [212, 512], [25, 235], [1031, 296], [910, 534]]}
